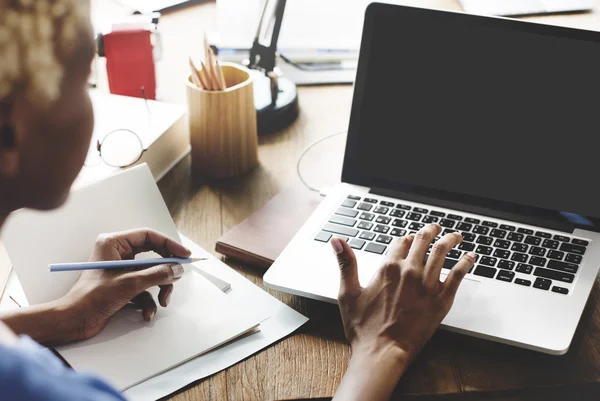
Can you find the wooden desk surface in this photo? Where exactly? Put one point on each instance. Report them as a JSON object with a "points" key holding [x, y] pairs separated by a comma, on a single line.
{"points": [[310, 364]]}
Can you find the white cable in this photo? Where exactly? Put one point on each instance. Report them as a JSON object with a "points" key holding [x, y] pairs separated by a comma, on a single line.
{"points": [[305, 151]]}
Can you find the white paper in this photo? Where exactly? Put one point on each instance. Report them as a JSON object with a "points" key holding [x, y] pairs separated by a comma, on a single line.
{"points": [[307, 24], [35, 239], [10, 298], [216, 281], [200, 317], [149, 120], [283, 321], [129, 350]]}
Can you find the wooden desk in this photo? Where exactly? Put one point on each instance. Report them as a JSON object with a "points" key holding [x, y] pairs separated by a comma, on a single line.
{"points": [[311, 363]]}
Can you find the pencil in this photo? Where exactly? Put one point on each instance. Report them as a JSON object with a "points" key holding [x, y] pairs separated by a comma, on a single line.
{"points": [[213, 70], [221, 76], [205, 73], [211, 78], [206, 49], [202, 78], [199, 76], [121, 264], [195, 77]]}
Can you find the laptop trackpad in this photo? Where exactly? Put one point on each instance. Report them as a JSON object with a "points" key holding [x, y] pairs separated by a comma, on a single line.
{"points": [[461, 309]]}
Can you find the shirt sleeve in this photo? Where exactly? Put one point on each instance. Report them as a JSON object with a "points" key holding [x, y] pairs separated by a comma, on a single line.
{"points": [[29, 372]]}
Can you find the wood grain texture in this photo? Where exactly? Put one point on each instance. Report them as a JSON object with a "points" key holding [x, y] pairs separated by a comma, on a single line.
{"points": [[223, 131], [310, 363]]}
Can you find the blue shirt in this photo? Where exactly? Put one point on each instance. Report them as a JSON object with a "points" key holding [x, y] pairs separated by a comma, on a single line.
{"points": [[29, 372]]}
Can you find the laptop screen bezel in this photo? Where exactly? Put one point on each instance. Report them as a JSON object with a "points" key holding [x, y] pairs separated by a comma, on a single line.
{"points": [[351, 172]]}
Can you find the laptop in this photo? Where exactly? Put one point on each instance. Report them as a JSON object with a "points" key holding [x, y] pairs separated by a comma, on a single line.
{"points": [[525, 7], [487, 126]]}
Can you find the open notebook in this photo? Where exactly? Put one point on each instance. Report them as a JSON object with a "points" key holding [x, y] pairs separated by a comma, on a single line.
{"points": [[128, 351], [5, 268]]}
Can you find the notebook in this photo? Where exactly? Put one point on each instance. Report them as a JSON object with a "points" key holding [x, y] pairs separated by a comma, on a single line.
{"points": [[259, 239], [129, 350], [199, 318], [5, 269]]}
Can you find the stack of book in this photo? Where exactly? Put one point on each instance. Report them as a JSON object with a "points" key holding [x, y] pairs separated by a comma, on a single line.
{"points": [[162, 128]]}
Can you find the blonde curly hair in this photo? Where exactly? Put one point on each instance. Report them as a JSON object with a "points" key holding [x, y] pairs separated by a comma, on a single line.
{"points": [[35, 38]]}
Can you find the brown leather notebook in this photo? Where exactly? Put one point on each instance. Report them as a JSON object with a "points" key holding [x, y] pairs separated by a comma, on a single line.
{"points": [[259, 239]]}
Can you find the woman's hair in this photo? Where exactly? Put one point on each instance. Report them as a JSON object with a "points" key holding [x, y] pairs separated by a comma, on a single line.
{"points": [[36, 37]]}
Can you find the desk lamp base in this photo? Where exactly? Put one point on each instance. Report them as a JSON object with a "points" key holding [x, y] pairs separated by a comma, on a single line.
{"points": [[274, 116]]}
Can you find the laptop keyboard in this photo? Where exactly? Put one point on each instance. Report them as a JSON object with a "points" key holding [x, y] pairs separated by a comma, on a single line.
{"points": [[522, 256]]}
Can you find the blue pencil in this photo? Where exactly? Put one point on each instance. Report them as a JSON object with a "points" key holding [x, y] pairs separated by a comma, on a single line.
{"points": [[121, 264]]}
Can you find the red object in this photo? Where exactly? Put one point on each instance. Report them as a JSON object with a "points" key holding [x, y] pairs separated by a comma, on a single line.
{"points": [[130, 63]]}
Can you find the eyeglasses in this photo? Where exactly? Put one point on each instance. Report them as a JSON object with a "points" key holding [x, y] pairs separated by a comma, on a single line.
{"points": [[119, 148]]}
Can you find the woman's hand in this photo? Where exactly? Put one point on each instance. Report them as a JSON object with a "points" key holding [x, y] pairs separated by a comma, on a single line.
{"points": [[98, 294], [388, 322]]}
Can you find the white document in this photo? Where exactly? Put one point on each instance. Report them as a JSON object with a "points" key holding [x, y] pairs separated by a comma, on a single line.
{"points": [[149, 119], [35, 239], [216, 281], [307, 24], [283, 322], [128, 350], [13, 297]]}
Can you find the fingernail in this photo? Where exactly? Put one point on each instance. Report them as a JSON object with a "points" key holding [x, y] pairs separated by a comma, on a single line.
{"points": [[472, 255], [177, 271], [336, 243], [152, 315], [168, 298]]}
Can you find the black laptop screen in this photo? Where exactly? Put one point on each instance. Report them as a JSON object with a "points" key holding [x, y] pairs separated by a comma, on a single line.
{"points": [[496, 109]]}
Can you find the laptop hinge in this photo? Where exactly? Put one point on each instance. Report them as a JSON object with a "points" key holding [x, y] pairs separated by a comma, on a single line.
{"points": [[504, 213]]}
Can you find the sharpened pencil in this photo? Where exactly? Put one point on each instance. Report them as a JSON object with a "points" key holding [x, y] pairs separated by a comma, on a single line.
{"points": [[121, 264], [195, 76], [220, 75]]}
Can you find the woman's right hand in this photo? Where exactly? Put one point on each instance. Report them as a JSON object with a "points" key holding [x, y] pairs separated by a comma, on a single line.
{"points": [[98, 294], [388, 322]]}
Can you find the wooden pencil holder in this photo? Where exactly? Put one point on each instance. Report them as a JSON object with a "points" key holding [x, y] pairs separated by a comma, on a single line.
{"points": [[223, 131]]}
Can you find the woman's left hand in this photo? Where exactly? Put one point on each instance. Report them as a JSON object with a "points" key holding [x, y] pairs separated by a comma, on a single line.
{"points": [[98, 294]]}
